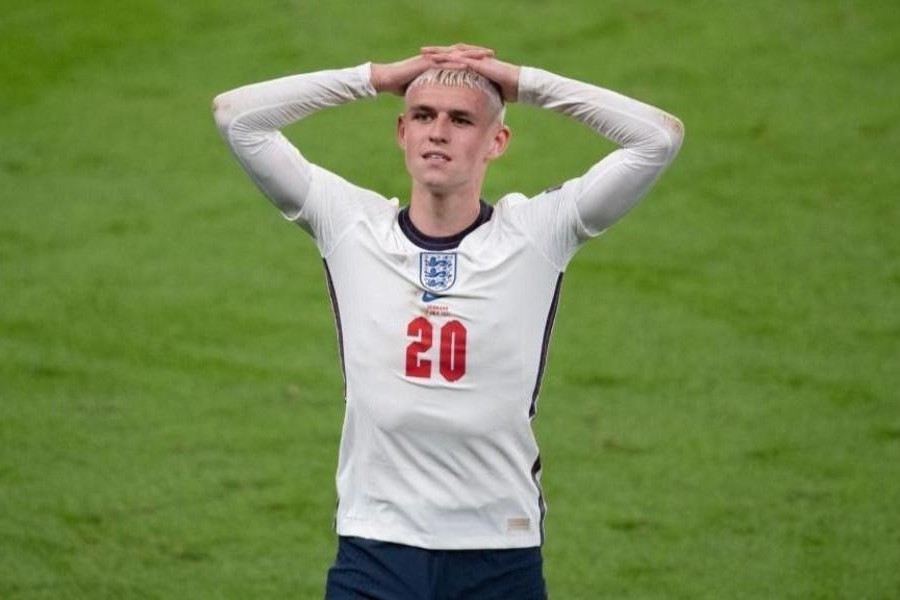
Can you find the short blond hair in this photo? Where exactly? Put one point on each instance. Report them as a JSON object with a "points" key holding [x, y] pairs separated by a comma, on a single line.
{"points": [[467, 79]]}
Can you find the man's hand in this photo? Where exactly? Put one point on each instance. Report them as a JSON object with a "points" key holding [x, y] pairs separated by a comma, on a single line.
{"points": [[482, 61], [394, 77]]}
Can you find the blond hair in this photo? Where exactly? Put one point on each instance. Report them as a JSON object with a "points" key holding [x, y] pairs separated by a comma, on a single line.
{"points": [[466, 79]]}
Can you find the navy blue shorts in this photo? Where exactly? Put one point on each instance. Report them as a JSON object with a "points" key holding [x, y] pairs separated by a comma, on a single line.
{"points": [[376, 570]]}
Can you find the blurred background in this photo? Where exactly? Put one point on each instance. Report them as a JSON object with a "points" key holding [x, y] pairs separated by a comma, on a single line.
{"points": [[719, 417]]}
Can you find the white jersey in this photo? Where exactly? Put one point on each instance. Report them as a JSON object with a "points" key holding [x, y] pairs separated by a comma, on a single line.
{"points": [[443, 340]]}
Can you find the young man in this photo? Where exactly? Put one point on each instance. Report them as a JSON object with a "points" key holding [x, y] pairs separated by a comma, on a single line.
{"points": [[444, 308]]}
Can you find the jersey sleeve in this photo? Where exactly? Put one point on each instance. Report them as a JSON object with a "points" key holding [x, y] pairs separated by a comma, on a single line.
{"points": [[250, 119], [648, 140]]}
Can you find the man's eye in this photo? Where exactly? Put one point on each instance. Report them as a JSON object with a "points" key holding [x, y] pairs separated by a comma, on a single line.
{"points": [[420, 116], [462, 121]]}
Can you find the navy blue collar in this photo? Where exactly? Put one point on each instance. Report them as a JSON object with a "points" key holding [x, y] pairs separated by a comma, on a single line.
{"points": [[430, 242]]}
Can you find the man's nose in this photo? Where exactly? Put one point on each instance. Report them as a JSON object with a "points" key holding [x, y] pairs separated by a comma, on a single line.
{"points": [[440, 129]]}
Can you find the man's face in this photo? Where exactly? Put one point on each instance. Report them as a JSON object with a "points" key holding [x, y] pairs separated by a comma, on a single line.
{"points": [[449, 135]]}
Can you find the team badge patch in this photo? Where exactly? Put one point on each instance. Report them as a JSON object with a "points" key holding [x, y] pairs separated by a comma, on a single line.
{"points": [[437, 271]]}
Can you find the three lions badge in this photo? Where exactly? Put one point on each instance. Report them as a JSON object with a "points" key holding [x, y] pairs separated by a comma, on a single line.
{"points": [[437, 273]]}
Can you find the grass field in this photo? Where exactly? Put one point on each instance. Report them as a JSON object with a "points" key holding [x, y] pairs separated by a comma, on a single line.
{"points": [[720, 415]]}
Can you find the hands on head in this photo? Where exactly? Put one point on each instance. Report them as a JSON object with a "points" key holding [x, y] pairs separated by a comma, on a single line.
{"points": [[394, 77]]}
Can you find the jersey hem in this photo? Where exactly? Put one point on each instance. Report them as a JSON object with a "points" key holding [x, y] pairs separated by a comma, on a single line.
{"points": [[428, 542]]}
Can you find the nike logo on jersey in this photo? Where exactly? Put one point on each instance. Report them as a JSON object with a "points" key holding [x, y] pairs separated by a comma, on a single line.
{"points": [[429, 297]]}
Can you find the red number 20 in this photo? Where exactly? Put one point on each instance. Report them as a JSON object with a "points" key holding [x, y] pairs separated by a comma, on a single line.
{"points": [[452, 355]]}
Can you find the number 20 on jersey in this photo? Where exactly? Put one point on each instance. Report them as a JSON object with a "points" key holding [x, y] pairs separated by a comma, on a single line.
{"points": [[450, 352]]}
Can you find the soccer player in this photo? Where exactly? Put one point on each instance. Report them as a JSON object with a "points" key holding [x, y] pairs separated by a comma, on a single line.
{"points": [[444, 307]]}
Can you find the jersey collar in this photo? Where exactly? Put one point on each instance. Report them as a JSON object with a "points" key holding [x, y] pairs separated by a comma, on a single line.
{"points": [[430, 242]]}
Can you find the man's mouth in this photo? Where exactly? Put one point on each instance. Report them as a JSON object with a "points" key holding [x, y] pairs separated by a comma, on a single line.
{"points": [[436, 157]]}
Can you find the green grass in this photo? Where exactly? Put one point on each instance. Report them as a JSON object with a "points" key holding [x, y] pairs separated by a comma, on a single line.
{"points": [[720, 414]]}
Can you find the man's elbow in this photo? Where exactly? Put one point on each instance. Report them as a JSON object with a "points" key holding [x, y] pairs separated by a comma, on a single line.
{"points": [[675, 130], [667, 141], [221, 108]]}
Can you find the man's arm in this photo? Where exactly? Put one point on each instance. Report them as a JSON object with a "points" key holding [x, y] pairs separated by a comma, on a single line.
{"points": [[649, 137], [250, 118]]}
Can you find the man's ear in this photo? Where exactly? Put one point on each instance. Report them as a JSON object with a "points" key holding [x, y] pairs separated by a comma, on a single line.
{"points": [[500, 142], [401, 131]]}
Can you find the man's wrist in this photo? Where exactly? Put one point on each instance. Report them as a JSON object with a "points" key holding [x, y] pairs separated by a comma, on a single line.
{"points": [[375, 76], [528, 91]]}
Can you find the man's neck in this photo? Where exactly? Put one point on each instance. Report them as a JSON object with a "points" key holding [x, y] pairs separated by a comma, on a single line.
{"points": [[440, 215]]}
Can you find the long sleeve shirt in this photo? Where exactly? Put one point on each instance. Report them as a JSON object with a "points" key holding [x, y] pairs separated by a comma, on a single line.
{"points": [[443, 340]]}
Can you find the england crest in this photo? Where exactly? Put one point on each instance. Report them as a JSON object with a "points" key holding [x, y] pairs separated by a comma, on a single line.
{"points": [[437, 271]]}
